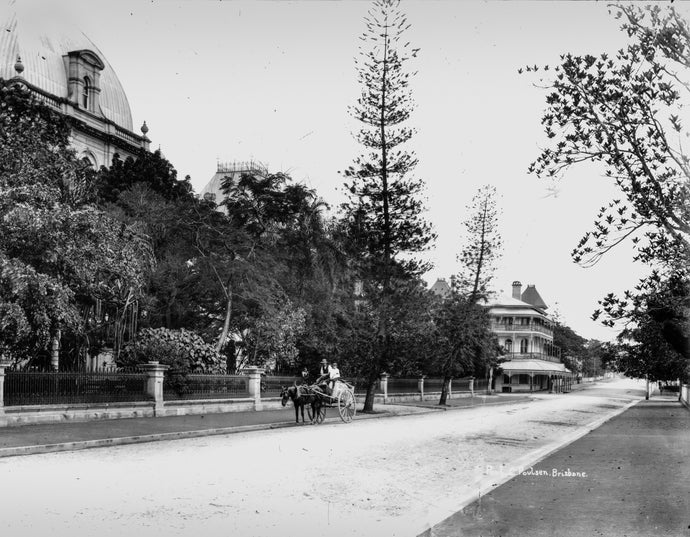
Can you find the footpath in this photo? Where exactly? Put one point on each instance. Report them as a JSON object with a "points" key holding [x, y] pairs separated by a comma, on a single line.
{"points": [[68, 436], [629, 477]]}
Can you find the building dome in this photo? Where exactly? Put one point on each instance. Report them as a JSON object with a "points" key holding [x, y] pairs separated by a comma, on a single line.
{"points": [[44, 45]]}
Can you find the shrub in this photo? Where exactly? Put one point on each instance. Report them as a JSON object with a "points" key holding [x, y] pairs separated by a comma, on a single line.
{"points": [[184, 351]]}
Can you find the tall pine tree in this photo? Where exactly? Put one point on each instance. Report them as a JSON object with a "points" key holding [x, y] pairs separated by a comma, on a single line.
{"points": [[482, 247], [384, 203]]}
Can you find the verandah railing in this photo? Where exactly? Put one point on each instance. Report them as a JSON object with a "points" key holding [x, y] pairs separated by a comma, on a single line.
{"points": [[74, 387]]}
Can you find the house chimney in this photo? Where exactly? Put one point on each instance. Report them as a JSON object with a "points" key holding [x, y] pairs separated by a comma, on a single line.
{"points": [[517, 290]]}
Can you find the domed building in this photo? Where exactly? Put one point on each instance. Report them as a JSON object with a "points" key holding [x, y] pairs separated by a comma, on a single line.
{"points": [[64, 69]]}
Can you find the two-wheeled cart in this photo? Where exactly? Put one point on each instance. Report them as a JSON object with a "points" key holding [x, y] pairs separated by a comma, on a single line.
{"points": [[342, 397]]}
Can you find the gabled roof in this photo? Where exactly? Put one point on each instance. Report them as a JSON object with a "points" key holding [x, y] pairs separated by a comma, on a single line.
{"points": [[531, 296], [441, 288]]}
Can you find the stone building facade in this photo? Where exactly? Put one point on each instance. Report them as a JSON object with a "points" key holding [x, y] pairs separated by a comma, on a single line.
{"points": [[64, 69]]}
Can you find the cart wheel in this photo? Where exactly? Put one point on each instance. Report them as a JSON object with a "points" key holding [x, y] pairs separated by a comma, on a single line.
{"points": [[347, 406]]}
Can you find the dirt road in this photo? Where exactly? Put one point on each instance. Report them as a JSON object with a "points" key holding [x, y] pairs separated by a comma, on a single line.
{"points": [[386, 477]]}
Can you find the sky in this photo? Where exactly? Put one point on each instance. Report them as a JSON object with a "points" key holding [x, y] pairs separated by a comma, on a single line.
{"points": [[272, 81]]}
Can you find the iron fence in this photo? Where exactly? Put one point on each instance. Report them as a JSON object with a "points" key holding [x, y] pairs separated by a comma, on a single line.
{"points": [[433, 385], [361, 385], [402, 385], [271, 385], [73, 387], [178, 386]]}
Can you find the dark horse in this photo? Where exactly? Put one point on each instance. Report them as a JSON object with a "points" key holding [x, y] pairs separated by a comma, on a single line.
{"points": [[302, 396]]}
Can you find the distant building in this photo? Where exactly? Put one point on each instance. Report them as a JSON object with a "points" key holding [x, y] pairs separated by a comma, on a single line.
{"points": [[64, 69], [525, 331], [232, 171], [441, 288]]}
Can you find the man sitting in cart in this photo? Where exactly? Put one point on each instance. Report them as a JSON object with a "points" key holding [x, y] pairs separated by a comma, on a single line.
{"points": [[331, 375]]}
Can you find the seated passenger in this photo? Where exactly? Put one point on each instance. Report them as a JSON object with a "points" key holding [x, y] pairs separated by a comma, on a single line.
{"points": [[333, 374], [305, 376]]}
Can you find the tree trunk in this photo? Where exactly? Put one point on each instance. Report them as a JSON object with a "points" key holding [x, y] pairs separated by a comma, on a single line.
{"points": [[226, 323], [490, 381], [444, 391], [369, 400]]}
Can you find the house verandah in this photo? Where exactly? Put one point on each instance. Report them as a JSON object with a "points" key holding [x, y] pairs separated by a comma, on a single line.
{"points": [[534, 375]]}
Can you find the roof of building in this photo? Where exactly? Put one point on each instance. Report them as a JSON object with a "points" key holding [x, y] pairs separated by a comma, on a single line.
{"points": [[506, 305], [441, 287], [234, 170], [532, 296], [42, 42]]}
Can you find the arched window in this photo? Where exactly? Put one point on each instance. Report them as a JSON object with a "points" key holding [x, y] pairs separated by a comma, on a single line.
{"points": [[523, 346], [85, 93], [508, 345]]}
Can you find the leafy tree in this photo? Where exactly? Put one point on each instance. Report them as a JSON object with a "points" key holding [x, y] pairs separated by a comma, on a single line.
{"points": [[652, 345], [626, 113], [482, 245], [60, 256], [464, 344], [573, 346], [384, 205], [150, 169]]}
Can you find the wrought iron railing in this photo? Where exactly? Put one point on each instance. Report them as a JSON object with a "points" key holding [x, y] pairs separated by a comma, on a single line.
{"points": [[402, 385], [271, 385], [433, 385], [73, 387], [361, 385], [178, 386]]}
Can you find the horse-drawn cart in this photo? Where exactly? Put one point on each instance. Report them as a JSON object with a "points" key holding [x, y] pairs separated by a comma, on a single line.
{"points": [[316, 398], [342, 397]]}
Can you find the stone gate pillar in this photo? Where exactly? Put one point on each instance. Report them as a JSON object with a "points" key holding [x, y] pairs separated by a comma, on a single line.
{"points": [[384, 386], [254, 384], [154, 385], [420, 386], [3, 418]]}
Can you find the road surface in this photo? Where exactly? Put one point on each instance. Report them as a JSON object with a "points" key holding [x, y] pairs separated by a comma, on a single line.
{"points": [[389, 477]]}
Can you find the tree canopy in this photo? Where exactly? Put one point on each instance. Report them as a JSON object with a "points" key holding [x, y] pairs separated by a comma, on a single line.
{"points": [[624, 113]]}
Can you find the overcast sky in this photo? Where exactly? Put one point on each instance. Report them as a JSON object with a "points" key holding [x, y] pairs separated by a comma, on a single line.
{"points": [[272, 81]]}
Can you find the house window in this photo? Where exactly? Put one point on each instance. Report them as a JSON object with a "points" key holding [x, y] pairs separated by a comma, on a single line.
{"points": [[523, 346], [85, 93], [508, 345]]}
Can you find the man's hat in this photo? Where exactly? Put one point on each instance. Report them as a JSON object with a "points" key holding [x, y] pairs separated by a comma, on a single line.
{"points": [[324, 361]]}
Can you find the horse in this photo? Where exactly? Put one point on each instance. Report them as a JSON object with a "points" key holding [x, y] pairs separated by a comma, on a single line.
{"points": [[300, 398]]}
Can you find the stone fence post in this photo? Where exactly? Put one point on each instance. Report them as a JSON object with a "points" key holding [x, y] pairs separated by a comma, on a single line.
{"points": [[154, 384], [420, 386], [472, 386], [254, 384], [3, 418], [384, 386]]}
